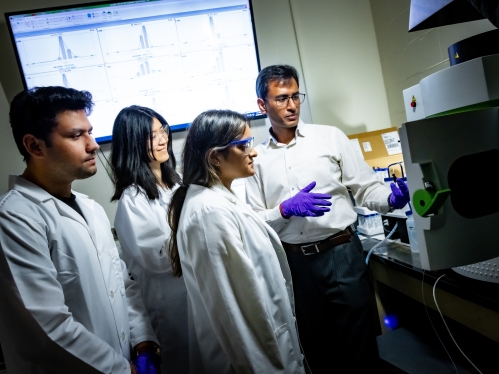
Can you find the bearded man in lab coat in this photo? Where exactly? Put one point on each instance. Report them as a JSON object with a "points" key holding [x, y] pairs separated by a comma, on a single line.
{"points": [[68, 304]]}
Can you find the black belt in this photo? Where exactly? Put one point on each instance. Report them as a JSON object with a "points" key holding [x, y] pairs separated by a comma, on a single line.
{"points": [[341, 237]]}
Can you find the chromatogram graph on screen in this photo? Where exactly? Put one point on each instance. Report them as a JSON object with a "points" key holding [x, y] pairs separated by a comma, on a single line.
{"points": [[140, 76], [59, 48], [121, 42], [77, 79]]}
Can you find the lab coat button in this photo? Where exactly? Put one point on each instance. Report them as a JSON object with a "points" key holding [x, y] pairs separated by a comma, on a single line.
{"points": [[123, 336], [111, 294]]}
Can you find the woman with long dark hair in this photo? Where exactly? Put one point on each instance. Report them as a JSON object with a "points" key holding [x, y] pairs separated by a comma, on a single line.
{"points": [[235, 269], [143, 166]]}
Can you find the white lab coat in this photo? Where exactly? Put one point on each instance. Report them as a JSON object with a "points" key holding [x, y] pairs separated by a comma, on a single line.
{"points": [[241, 316], [67, 303], [144, 235]]}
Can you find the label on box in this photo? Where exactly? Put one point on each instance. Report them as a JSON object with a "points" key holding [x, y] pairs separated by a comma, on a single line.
{"points": [[356, 145], [367, 146], [392, 142]]}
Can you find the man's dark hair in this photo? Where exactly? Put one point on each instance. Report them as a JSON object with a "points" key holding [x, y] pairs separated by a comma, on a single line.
{"points": [[34, 111], [274, 73]]}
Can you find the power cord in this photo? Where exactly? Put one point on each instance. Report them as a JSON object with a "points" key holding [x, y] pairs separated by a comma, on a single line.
{"points": [[447, 327], [381, 242], [436, 333], [106, 165]]}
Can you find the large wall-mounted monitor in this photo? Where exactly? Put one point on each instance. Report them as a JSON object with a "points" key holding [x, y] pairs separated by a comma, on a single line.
{"points": [[177, 57]]}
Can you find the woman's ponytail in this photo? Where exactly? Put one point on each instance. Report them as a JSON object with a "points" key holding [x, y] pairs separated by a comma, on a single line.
{"points": [[176, 204]]}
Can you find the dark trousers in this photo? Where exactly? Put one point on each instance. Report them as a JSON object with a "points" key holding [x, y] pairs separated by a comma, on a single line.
{"points": [[334, 310]]}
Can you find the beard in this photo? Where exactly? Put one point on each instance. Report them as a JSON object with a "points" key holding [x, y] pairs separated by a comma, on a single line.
{"points": [[85, 173], [64, 171]]}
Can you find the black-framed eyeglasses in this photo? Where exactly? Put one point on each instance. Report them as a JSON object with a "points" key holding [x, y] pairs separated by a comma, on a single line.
{"points": [[282, 101]]}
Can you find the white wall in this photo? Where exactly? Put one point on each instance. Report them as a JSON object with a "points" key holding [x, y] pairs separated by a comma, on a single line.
{"points": [[340, 59], [10, 158], [341, 73], [406, 58]]}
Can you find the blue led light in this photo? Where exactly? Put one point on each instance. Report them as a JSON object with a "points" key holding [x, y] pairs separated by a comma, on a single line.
{"points": [[391, 322]]}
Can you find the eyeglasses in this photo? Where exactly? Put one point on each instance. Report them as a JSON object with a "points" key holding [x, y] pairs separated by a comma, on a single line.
{"points": [[245, 144], [282, 101], [161, 134]]}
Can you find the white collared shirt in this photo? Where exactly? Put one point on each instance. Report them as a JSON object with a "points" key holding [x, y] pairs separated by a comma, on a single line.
{"points": [[317, 153]]}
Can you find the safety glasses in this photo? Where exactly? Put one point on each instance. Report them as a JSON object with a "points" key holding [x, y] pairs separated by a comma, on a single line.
{"points": [[245, 144]]}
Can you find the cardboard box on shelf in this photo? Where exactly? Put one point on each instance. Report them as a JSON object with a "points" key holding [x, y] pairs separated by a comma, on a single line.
{"points": [[380, 148]]}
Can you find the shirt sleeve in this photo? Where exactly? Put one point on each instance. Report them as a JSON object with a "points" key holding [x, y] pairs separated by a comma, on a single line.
{"points": [[256, 198], [140, 326], [34, 315], [231, 294], [357, 175], [140, 235]]}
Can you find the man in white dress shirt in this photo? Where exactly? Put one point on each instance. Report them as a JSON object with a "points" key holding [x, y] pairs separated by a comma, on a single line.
{"points": [[68, 304], [300, 188]]}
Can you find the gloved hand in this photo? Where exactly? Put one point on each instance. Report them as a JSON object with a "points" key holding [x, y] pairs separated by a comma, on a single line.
{"points": [[306, 204], [147, 363], [400, 195]]}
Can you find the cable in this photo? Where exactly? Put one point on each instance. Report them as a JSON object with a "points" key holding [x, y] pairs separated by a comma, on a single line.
{"points": [[381, 242], [106, 165], [447, 327], [104, 155], [436, 333]]}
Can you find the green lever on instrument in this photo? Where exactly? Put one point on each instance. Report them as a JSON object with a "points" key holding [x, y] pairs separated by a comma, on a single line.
{"points": [[428, 202]]}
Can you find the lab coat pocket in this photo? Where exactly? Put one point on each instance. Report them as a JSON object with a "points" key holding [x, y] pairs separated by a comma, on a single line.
{"points": [[286, 348]]}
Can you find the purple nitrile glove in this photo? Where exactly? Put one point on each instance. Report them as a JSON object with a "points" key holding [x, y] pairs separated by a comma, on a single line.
{"points": [[147, 363], [306, 204], [400, 195]]}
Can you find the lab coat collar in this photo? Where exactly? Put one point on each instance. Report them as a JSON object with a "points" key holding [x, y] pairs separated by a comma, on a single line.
{"points": [[300, 131], [87, 208], [30, 190], [33, 191], [226, 193], [231, 196], [250, 213], [38, 195]]}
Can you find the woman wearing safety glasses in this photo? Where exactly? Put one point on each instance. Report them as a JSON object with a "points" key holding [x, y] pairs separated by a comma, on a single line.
{"points": [[238, 281], [144, 176]]}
